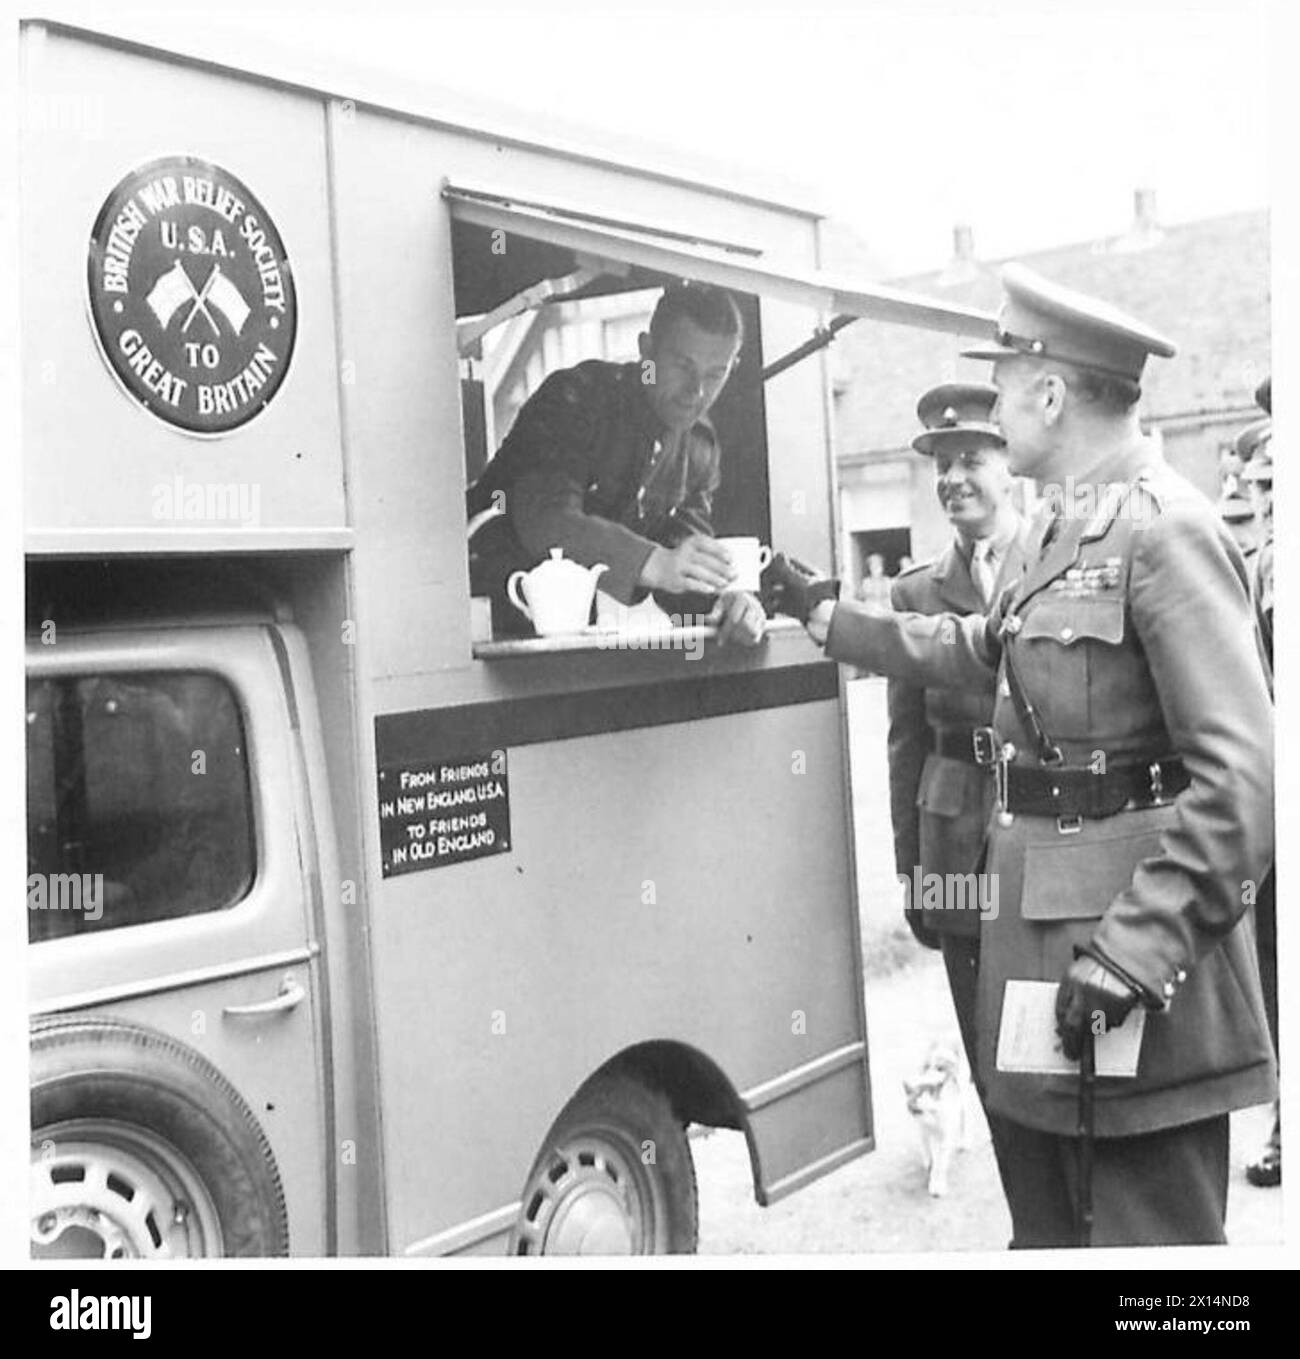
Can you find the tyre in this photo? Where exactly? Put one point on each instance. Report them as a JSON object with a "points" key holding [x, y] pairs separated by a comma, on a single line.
{"points": [[142, 1149], [614, 1177]]}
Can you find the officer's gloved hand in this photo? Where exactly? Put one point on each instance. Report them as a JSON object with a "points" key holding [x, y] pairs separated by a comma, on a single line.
{"points": [[1087, 990], [793, 588]]}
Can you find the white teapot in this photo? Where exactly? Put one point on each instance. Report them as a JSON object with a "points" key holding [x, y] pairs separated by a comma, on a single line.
{"points": [[556, 594]]}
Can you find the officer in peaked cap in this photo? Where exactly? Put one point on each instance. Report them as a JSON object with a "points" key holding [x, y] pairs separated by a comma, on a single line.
{"points": [[958, 414], [1255, 436], [940, 798], [1042, 319], [1239, 515], [1255, 449], [1131, 748]]}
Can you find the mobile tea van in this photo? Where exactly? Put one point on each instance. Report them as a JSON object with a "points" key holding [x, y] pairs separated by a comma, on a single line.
{"points": [[354, 928]]}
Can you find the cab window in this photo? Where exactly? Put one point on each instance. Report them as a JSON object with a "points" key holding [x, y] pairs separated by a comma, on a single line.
{"points": [[138, 801]]}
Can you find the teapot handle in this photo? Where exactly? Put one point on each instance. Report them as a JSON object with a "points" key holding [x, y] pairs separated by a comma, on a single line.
{"points": [[513, 594]]}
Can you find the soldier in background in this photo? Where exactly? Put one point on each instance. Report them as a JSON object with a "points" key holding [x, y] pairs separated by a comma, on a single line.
{"points": [[1255, 447], [1239, 515], [940, 799], [875, 584]]}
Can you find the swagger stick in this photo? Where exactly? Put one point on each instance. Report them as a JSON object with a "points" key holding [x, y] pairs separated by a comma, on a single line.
{"points": [[1087, 1092]]}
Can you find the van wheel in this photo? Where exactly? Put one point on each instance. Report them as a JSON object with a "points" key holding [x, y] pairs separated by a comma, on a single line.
{"points": [[615, 1177], [142, 1149]]}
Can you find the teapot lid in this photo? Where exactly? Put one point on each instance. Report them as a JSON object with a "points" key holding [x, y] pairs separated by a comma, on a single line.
{"points": [[557, 558], [558, 565]]}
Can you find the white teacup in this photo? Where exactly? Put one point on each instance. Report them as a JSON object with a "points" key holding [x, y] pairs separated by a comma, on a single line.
{"points": [[749, 559]]}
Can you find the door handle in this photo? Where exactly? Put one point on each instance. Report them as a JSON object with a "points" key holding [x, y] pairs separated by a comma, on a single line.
{"points": [[290, 995]]}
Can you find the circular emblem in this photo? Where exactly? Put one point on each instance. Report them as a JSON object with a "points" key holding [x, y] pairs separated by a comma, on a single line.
{"points": [[191, 295]]}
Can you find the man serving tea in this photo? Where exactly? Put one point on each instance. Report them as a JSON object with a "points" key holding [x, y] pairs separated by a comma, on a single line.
{"points": [[617, 463]]}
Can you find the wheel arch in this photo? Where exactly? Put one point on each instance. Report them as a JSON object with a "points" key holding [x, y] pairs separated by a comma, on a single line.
{"points": [[700, 1091]]}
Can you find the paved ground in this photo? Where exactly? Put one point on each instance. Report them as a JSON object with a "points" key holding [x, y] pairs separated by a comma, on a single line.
{"points": [[879, 1202]]}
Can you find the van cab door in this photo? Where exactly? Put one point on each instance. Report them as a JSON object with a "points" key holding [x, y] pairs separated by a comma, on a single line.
{"points": [[179, 1086]]}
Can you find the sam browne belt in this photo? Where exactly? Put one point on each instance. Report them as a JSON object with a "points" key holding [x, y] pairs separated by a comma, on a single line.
{"points": [[956, 743], [1070, 792]]}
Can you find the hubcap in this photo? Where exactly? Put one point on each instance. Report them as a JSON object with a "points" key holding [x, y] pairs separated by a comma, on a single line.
{"points": [[587, 1198], [101, 1189]]}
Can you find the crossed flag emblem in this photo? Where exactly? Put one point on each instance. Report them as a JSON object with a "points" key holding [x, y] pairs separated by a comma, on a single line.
{"points": [[173, 289]]}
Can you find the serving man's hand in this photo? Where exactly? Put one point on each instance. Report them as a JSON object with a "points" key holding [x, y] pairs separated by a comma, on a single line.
{"points": [[740, 619], [1089, 989], [697, 564]]}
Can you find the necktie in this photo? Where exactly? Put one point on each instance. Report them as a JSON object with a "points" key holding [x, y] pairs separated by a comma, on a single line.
{"points": [[982, 570]]}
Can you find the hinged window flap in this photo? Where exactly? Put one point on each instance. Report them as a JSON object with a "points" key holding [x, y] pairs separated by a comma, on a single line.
{"points": [[671, 252], [592, 216]]}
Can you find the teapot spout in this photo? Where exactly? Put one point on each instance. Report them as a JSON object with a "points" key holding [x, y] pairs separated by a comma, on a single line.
{"points": [[481, 518]]}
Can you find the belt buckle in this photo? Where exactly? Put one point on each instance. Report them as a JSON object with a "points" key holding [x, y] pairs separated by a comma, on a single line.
{"points": [[1069, 825], [1155, 777], [987, 747]]}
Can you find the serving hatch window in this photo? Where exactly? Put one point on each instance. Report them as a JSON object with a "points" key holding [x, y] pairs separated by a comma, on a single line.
{"points": [[529, 310]]}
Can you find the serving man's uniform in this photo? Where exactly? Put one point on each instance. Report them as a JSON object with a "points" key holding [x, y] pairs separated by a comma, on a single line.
{"points": [[589, 468], [1131, 635]]}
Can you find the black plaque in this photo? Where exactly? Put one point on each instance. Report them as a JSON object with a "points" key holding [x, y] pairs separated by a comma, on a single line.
{"points": [[433, 813]]}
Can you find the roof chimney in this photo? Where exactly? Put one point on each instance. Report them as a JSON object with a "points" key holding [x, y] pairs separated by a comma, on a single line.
{"points": [[1145, 231], [962, 267]]}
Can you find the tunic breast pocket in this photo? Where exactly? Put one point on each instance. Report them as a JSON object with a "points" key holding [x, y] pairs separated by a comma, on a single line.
{"points": [[1066, 657]]}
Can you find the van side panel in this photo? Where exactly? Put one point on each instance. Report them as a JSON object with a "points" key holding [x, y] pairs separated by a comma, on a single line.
{"points": [[627, 911], [138, 109]]}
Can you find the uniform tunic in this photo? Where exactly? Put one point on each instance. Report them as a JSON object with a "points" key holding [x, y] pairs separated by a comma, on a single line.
{"points": [[587, 467], [940, 805], [1135, 640]]}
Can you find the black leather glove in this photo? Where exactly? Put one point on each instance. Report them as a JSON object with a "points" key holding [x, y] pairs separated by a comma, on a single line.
{"points": [[789, 586], [1089, 989]]}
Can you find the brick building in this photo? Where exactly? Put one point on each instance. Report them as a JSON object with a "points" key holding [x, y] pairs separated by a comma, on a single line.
{"points": [[1205, 284]]}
